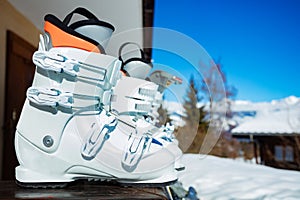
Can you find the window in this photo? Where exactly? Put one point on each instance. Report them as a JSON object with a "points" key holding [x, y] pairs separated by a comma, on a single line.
{"points": [[279, 153], [289, 153], [284, 153]]}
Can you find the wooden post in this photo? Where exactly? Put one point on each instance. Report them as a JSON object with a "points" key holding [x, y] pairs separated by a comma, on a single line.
{"points": [[255, 151]]}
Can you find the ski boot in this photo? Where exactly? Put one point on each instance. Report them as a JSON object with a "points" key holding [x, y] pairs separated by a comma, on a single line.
{"points": [[134, 65], [77, 122]]}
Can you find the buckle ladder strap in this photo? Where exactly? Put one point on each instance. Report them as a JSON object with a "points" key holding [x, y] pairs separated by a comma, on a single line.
{"points": [[143, 107], [146, 100], [148, 92], [140, 101]]}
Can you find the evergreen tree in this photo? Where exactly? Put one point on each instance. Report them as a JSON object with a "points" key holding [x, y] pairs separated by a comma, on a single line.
{"points": [[163, 116], [190, 105], [192, 134]]}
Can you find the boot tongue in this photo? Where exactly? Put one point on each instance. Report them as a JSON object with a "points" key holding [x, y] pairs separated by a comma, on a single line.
{"points": [[100, 34], [91, 27], [89, 34], [133, 60]]}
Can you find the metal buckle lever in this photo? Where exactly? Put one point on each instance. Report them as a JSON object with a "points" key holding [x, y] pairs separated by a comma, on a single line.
{"points": [[50, 97], [136, 147], [55, 62]]}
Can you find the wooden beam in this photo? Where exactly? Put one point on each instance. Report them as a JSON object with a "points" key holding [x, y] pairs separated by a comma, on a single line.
{"points": [[148, 15]]}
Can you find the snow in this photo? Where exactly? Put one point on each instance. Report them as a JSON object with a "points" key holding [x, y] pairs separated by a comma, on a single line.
{"points": [[176, 112], [174, 107], [275, 117], [222, 178], [292, 100]]}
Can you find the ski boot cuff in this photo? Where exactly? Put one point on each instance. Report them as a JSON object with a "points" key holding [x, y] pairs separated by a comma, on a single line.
{"points": [[136, 66], [90, 34]]}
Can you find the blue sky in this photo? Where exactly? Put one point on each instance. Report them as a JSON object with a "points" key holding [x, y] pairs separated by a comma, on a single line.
{"points": [[258, 41]]}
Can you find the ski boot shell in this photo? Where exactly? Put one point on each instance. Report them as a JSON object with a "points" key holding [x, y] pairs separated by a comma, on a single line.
{"points": [[65, 131]]}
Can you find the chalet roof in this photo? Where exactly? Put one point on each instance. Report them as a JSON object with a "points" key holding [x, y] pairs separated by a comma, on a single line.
{"points": [[267, 125], [272, 120]]}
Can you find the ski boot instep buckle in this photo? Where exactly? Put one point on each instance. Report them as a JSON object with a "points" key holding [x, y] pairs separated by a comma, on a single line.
{"points": [[50, 97]]}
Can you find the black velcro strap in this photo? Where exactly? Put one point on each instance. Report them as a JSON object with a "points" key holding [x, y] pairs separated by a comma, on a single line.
{"points": [[81, 11], [135, 44]]}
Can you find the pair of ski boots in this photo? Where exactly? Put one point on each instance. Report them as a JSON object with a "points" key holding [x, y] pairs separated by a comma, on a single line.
{"points": [[89, 115]]}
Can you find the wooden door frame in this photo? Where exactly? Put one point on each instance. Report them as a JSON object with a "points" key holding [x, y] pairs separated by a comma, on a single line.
{"points": [[15, 46]]}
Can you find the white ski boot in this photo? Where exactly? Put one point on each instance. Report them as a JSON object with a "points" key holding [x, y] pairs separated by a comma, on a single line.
{"points": [[78, 123], [134, 65]]}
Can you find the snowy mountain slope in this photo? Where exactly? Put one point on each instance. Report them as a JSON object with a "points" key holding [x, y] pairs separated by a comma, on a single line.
{"points": [[221, 178]]}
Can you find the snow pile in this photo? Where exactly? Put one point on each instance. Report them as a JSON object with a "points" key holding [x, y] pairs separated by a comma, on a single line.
{"points": [[221, 178]]}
